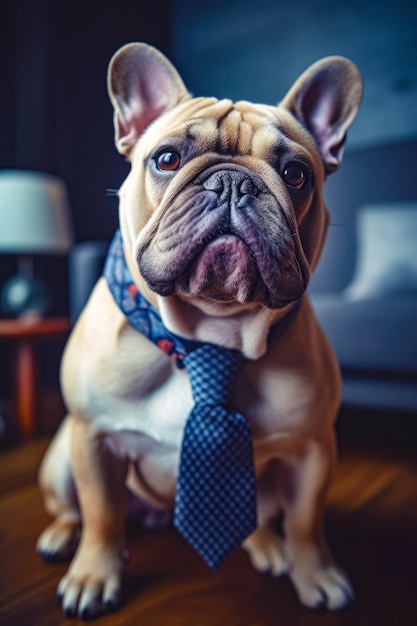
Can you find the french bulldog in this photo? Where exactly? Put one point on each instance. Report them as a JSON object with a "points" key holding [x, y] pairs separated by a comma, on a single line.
{"points": [[223, 222]]}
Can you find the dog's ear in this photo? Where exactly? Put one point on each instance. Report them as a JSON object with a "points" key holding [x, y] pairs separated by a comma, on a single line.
{"points": [[142, 84], [325, 99]]}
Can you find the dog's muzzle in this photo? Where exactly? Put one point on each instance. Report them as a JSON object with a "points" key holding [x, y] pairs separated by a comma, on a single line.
{"points": [[225, 237]]}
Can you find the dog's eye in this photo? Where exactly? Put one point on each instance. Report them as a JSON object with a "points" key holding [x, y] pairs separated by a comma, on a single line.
{"points": [[294, 175], [168, 161]]}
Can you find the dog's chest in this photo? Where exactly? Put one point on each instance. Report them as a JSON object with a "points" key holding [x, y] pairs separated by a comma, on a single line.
{"points": [[149, 418], [148, 426], [141, 408]]}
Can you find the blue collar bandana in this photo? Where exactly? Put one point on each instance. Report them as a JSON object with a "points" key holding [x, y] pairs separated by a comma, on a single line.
{"points": [[215, 501]]}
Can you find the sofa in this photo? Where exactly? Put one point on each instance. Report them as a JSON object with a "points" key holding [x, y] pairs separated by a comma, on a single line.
{"points": [[371, 323]]}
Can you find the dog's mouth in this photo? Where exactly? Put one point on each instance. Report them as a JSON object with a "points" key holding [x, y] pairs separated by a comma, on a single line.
{"points": [[226, 268], [225, 238], [223, 270]]}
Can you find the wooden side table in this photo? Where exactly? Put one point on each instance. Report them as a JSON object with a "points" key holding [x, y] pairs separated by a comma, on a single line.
{"points": [[25, 334]]}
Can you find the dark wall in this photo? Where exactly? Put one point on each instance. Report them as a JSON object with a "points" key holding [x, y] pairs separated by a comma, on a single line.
{"points": [[54, 108], [249, 50]]}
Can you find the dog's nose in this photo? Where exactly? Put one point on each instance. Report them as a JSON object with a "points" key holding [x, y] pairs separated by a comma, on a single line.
{"points": [[230, 185]]}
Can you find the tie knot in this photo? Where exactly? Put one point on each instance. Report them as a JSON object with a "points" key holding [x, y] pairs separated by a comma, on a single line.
{"points": [[213, 371]]}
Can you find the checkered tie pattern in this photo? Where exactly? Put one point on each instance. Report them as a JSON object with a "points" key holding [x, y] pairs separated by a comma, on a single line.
{"points": [[215, 504]]}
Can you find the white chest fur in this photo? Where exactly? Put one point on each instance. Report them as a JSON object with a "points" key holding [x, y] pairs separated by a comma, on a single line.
{"points": [[152, 418]]}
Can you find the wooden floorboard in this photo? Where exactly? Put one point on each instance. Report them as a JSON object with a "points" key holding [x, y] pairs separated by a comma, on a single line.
{"points": [[371, 525]]}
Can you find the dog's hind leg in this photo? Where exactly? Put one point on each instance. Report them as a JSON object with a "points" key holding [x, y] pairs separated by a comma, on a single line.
{"points": [[59, 540]]}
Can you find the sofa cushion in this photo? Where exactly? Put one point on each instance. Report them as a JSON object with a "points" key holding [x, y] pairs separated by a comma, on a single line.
{"points": [[387, 258]]}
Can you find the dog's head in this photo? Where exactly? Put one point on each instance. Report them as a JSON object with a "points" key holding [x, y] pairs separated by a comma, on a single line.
{"points": [[222, 213]]}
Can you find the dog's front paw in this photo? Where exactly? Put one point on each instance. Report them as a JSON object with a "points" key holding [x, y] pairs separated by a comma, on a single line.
{"points": [[322, 585], [266, 552], [93, 584]]}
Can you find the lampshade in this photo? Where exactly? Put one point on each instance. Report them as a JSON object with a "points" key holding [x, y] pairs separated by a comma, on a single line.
{"points": [[34, 213]]}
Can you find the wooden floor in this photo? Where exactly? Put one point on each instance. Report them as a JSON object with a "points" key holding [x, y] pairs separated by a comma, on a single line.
{"points": [[371, 526]]}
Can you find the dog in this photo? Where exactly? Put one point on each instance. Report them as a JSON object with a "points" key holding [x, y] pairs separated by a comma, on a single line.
{"points": [[223, 221]]}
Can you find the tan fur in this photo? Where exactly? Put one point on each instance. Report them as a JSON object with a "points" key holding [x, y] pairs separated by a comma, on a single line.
{"points": [[128, 402]]}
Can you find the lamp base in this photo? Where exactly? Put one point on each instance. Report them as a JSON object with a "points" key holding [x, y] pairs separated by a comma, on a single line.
{"points": [[23, 295]]}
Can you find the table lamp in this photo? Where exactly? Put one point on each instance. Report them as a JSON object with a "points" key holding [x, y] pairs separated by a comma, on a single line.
{"points": [[34, 219]]}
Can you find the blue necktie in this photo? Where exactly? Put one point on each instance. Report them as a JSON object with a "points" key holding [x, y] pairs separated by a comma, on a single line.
{"points": [[215, 504]]}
